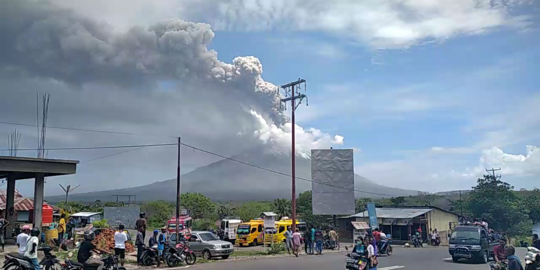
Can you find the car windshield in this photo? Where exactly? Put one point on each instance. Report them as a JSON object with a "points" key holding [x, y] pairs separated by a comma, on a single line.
{"points": [[243, 229], [471, 235], [207, 237], [172, 226]]}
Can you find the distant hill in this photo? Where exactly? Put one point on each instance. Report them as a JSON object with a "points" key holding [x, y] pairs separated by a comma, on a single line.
{"points": [[227, 180]]}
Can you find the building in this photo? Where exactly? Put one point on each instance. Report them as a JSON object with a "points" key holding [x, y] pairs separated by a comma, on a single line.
{"points": [[402, 222]]}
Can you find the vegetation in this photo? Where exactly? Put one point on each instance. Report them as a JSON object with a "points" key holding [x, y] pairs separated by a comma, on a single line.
{"points": [[509, 211]]}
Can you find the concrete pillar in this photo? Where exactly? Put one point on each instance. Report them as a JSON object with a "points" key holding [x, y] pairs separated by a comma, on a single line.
{"points": [[39, 188], [10, 202]]}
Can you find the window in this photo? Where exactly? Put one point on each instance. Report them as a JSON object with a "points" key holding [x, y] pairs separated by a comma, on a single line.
{"points": [[243, 229], [281, 229], [172, 226], [483, 234], [223, 225], [253, 230], [208, 237], [260, 228], [189, 223], [470, 235]]}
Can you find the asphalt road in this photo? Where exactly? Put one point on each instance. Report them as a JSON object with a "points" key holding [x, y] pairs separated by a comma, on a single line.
{"points": [[428, 258]]}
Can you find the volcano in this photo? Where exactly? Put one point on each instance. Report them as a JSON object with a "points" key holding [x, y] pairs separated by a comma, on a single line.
{"points": [[229, 180]]}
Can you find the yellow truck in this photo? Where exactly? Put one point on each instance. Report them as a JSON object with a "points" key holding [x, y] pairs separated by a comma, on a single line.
{"points": [[277, 234], [250, 233]]}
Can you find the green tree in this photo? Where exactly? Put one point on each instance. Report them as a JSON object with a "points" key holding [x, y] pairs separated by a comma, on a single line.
{"points": [[282, 207], [361, 204], [198, 205], [304, 210], [532, 203], [158, 212], [495, 201], [225, 211], [251, 210], [204, 224], [397, 201]]}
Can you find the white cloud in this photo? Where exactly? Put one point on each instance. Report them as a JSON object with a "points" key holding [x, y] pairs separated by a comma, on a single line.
{"points": [[280, 136], [512, 164], [379, 23]]}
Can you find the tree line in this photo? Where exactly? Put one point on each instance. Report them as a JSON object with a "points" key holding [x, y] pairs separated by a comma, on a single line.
{"points": [[506, 210]]}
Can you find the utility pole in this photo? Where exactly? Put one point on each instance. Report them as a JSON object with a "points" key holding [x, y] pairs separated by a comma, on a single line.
{"points": [[68, 190], [461, 204], [292, 94], [493, 172], [178, 189]]}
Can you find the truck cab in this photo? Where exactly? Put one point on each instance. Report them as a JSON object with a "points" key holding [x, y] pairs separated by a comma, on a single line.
{"points": [[229, 226], [250, 233], [185, 223], [471, 243], [277, 235]]}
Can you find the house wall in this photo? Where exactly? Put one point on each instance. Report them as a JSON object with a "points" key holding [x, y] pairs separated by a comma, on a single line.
{"points": [[441, 220]]}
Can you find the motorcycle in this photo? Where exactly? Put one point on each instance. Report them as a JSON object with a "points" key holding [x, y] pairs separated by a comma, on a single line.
{"points": [[110, 263], [149, 256], [20, 262], [174, 256], [532, 259], [417, 242], [386, 248]]}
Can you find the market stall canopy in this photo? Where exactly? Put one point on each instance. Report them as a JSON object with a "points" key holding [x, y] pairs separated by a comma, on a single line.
{"points": [[359, 225]]}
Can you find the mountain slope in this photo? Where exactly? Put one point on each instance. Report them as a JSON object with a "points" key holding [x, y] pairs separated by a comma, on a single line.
{"points": [[227, 180]]}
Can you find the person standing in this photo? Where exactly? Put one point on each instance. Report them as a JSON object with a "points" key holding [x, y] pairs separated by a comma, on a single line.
{"points": [[332, 235], [140, 224], [307, 242], [288, 239], [120, 238], [319, 238], [61, 228], [162, 240], [296, 241], [313, 240], [31, 248], [139, 242], [3, 225], [22, 239]]}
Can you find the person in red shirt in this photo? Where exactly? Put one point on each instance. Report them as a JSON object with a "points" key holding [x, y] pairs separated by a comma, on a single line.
{"points": [[499, 251], [377, 235]]}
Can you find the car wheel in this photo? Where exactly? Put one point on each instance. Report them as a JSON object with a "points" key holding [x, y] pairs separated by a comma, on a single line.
{"points": [[485, 257], [225, 257], [455, 259], [255, 242], [207, 255]]}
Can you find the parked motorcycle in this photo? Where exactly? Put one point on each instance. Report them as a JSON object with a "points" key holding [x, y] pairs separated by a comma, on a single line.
{"points": [[532, 259], [149, 256], [20, 262], [386, 248], [110, 263], [174, 256]]}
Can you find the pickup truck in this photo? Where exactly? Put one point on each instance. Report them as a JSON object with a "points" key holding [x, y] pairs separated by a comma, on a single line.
{"points": [[471, 243]]}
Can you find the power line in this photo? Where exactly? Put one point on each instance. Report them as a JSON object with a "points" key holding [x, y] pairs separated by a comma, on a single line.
{"points": [[99, 147], [278, 172], [110, 155], [164, 144], [83, 129]]}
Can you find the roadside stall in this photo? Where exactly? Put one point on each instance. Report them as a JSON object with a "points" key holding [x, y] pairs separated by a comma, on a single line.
{"points": [[359, 229]]}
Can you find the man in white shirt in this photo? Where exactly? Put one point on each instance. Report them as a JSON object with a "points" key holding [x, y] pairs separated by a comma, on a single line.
{"points": [[22, 239], [32, 247], [120, 238]]}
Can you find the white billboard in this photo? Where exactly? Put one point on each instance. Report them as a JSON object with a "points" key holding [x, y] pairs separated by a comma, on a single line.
{"points": [[332, 173]]}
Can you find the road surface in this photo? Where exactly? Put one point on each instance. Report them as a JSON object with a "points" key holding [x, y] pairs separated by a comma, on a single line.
{"points": [[429, 258]]}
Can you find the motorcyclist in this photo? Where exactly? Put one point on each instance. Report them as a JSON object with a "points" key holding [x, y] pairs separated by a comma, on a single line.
{"points": [[32, 246], [499, 254], [84, 255], [513, 262], [536, 241]]}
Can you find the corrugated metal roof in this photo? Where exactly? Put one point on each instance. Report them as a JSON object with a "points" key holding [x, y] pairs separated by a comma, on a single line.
{"points": [[360, 225], [3, 195], [395, 213], [20, 204]]}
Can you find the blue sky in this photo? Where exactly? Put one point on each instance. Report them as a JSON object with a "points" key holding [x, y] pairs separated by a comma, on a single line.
{"points": [[397, 104], [428, 93]]}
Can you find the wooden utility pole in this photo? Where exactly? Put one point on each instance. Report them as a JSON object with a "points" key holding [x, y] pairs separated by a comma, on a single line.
{"points": [[493, 172], [292, 94], [178, 189], [68, 190]]}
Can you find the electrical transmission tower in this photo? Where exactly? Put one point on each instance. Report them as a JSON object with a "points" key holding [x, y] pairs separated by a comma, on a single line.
{"points": [[292, 94]]}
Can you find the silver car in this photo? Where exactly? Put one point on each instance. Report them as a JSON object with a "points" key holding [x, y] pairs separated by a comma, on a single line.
{"points": [[208, 245]]}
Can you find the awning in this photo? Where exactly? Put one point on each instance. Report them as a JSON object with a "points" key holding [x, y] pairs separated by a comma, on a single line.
{"points": [[360, 225]]}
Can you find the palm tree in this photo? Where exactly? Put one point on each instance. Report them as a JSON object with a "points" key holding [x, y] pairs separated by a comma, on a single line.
{"points": [[282, 207]]}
